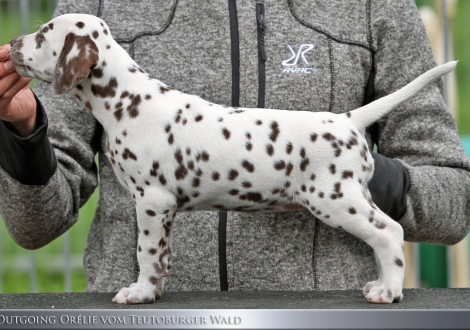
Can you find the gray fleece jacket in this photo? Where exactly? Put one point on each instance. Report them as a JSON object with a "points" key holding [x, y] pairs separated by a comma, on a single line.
{"points": [[360, 48]]}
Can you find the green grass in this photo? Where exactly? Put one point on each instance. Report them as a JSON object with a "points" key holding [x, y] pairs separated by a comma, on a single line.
{"points": [[10, 22], [15, 260], [461, 30]]}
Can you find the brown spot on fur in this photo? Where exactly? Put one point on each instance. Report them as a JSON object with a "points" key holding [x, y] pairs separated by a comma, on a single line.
{"points": [[347, 174], [248, 166], [181, 172], [129, 154], [289, 169], [304, 163], [178, 156], [132, 108], [151, 213], [232, 174], [380, 225], [80, 25], [274, 131], [95, 34], [246, 184], [329, 137], [153, 280], [337, 187], [88, 105], [215, 176], [352, 210], [153, 170], [164, 89], [399, 262], [289, 148], [253, 197], [226, 133], [280, 165], [190, 165], [270, 149], [332, 168], [109, 90]]}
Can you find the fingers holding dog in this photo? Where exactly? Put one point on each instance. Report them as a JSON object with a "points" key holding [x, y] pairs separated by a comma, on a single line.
{"points": [[17, 103]]}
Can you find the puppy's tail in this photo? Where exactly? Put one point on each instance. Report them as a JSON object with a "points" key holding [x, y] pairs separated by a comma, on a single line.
{"points": [[372, 112]]}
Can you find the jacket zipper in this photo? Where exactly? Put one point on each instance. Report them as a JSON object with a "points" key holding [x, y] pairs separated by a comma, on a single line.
{"points": [[235, 59], [261, 24]]}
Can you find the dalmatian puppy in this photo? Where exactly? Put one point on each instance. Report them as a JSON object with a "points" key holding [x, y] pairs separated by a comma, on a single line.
{"points": [[176, 152]]}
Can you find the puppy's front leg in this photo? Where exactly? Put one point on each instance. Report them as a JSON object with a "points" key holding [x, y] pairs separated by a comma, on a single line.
{"points": [[155, 214]]}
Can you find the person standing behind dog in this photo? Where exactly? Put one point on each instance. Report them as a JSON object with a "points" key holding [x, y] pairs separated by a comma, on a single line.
{"points": [[310, 55]]}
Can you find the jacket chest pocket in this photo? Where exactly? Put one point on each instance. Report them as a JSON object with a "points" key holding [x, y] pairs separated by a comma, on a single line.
{"points": [[317, 74]]}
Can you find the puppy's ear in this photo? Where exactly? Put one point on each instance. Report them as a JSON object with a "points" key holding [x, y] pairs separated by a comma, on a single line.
{"points": [[78, 55]]}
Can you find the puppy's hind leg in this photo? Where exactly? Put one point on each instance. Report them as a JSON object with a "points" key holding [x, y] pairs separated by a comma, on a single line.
{"points": [[155, 214], [391, 257], [353, 213]]}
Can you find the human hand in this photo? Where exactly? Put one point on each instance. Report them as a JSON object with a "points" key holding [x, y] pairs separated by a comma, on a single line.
{"points": [[17, 102], [389, 186]]}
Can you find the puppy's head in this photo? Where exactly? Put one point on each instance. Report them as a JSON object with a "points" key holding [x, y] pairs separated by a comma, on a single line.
{"points": [[62, 52]]}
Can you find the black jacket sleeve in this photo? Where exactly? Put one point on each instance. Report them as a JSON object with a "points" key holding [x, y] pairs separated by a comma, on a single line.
{"points": [[31, 160]]}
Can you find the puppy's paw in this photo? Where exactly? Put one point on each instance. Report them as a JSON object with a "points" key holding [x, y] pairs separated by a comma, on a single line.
{"points": [[137, 294], [366, 289], [383, 295]]}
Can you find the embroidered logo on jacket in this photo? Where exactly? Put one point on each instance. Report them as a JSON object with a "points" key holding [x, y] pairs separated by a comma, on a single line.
{"points": [[291, 65]]}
